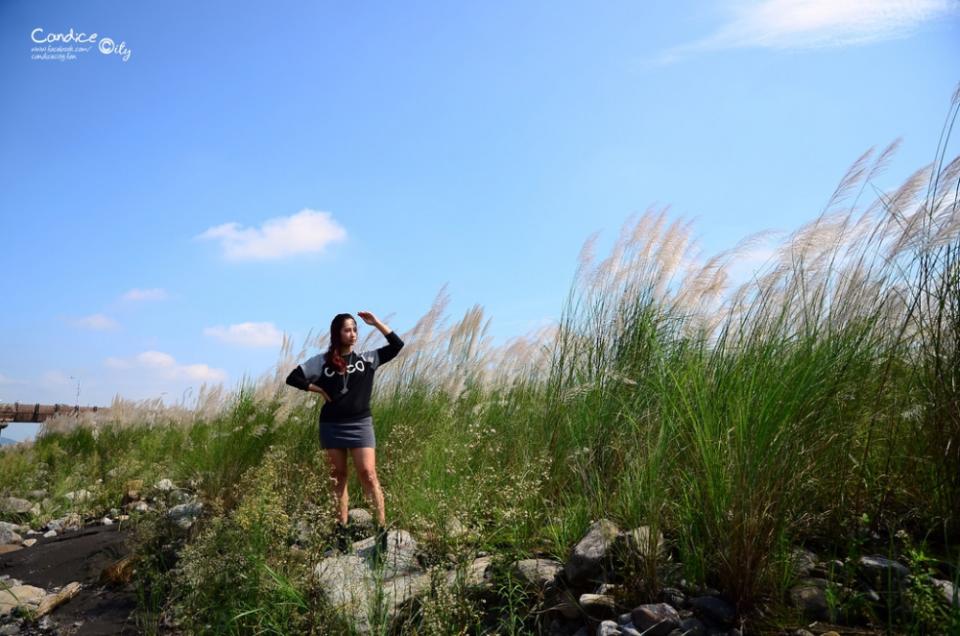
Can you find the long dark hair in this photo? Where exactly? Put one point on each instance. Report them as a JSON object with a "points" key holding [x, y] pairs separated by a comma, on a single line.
{"points": [[332, 356]]}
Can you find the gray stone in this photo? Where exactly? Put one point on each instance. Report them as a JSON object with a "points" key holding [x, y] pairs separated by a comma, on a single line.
{"points": [[50, 533], [477, 575], [625, 618], [350, 585], [400, 557], [15, 505], [608, 628], [367, 549], [70, 521], [359, 517], [804, 562], [630, 629], [948, 591], [609, 589], [589, 555], [598, 605], [26, 596], [7, 535], [37, 494], [810, 597], [11, 629], [655, 619], [346, 582], [714, 609], [13, 527], [537, 573], [78, 496], [164, 485], [184, 515], [874, 566], [179, 495]]}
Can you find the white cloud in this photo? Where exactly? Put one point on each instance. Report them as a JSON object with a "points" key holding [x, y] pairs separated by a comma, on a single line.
{"points": [[805, 24], [165, 366], [247, 334], [97, 322], [156, 359], [304, 232], [145, 294], [201, 372]]}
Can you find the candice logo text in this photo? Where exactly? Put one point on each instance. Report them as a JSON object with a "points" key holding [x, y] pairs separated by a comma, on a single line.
{"points": [[64, 47]]}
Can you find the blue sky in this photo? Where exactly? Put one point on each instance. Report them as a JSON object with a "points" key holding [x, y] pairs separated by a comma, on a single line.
{"points": [[255, 169]]}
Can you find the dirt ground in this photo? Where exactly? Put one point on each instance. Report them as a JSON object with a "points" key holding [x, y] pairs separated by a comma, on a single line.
{"points": [[78, 555]]}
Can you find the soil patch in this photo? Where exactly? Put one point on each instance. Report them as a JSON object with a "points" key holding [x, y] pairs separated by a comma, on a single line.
{"points": [[79, 555]]}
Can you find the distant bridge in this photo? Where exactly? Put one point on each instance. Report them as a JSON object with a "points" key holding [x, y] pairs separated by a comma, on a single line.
{"points": [[17, 412]]}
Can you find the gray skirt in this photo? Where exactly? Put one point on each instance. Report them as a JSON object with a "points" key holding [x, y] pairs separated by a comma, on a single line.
{"points": [[356, 434]]}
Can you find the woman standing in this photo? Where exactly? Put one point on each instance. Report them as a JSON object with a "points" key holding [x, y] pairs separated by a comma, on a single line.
{"points": [[345, 380]]}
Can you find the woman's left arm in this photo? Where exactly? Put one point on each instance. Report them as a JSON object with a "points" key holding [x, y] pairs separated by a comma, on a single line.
{"points": [[395, 344]]}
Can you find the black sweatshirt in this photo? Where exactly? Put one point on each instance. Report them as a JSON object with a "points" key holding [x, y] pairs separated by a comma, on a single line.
{"points": [[354, 403]]}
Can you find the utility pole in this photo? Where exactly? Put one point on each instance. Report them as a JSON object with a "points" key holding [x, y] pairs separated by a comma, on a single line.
{"points": [[77, 408]]}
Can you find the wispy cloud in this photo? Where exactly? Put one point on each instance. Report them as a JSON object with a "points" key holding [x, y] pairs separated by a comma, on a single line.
{"points": [[96, 322], [166, 367], [305, 232], [247, 334], [136, 294], [807, 24]]}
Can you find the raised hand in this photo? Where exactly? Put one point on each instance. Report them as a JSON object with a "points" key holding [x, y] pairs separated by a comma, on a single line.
{"points": [[367, 317]]}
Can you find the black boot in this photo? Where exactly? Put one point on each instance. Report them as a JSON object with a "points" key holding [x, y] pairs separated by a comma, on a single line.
{"points": [[380, 542], [342, 535]]}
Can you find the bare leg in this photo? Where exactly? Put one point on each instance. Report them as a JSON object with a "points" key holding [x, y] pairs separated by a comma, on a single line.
{"points": [[364, 459], [337, 459]]}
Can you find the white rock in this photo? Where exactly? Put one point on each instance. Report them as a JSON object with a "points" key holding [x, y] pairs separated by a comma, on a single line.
{"points": [[50, 533], [537, 572], [948, 591], [185, 514], [589, 555], [164, 484], [20, 595], [15, 505], [476, 574], [8, 535], [78, 496]]}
